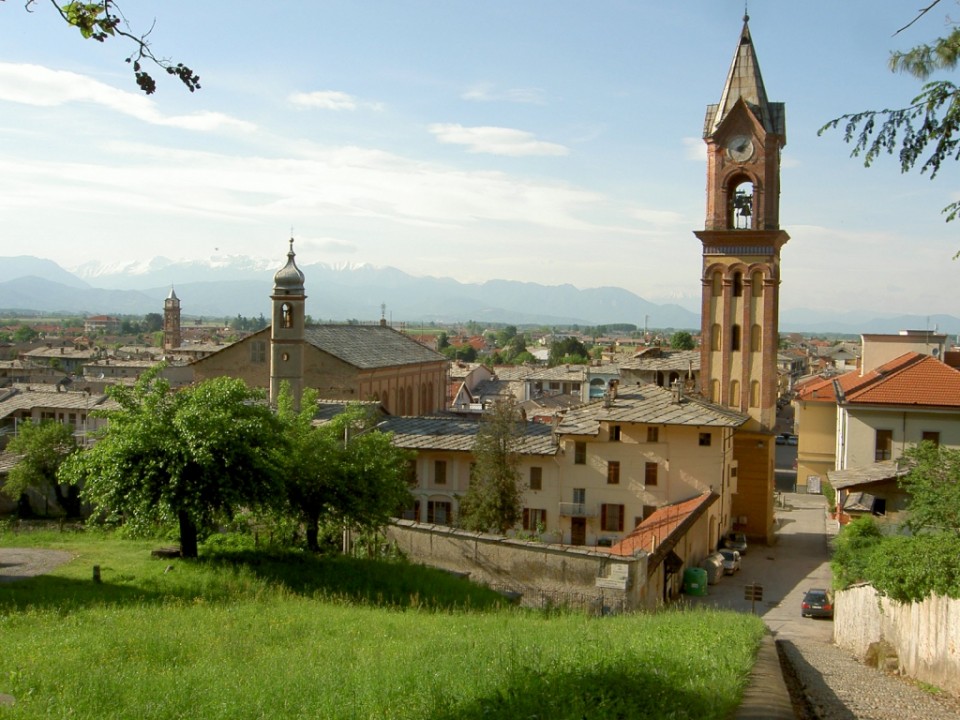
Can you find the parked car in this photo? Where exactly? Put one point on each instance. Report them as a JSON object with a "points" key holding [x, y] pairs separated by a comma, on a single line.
{"points": [[817, 602], [736, 541], [731, 561], [782, 439], [792, 440]]}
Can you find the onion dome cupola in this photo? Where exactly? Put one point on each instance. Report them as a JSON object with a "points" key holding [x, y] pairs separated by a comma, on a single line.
{"points": [[289, 279]]}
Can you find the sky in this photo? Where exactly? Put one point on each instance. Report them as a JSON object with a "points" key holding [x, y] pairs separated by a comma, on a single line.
{"points": [[549, 142]]}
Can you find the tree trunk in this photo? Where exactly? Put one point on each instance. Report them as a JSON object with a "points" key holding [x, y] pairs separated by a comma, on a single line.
{"points": [[69, 502], [313, 530], [188, 536]]}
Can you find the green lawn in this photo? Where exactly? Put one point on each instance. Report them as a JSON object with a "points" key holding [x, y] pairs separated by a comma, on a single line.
{"points": [[292, 636]]}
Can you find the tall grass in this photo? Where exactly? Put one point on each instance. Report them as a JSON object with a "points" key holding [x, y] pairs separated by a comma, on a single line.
{"points": [[290, 636]]}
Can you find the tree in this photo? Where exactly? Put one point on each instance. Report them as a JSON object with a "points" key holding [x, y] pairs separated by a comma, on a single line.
{"points": [[152, 322], [43, 448], [190, 457], [933, 482], [930, 123], [682, 340], [494, 500], [24, 334], [569, 350], [102, 20], [345, 471], [442, 340]]}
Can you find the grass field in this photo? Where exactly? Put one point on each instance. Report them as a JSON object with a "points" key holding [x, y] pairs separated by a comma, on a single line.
{"points": [[285, 635]]}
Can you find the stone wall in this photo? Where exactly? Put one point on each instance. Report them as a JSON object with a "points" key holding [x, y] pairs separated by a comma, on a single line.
{"points": [[925, 635], [540, 573]]}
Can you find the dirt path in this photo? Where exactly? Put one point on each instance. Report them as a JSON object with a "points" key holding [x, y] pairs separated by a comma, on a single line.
{"points": [[19, 563]]}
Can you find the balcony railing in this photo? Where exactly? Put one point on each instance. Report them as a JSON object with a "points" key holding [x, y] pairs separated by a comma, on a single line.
{"points": [[577, 510]]}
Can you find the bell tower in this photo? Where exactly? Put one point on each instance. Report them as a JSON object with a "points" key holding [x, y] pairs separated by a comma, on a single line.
{"points": [[287, 330], [171, 321], [741, 239]]}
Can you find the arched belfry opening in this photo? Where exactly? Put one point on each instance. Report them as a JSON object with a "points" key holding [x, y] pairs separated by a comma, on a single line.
{"points": [[740, 214]]}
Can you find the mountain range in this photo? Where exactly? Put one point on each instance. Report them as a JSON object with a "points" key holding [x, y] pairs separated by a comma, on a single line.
{"points": [[230, 286]]}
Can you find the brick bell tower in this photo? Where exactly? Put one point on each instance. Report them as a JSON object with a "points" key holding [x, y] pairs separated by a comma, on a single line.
{"points": [[744, 134], [171, 321], [287, 330]]}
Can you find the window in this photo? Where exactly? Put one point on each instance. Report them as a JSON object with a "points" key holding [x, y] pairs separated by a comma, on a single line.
{"points": [[534, 519], [580, 496], [754, 393], [755, 335], [536, 478], [931, 437], [884, 445], [258, 351], [757, 281], [653, 434], [614, 433], [734, 337], [734, 393], [705, 439], [439, 512], [715, 390], [738, 284], [580, 453], [611, 517], [613, 472], [411, 511], [650, 470], [286, 311], [440, 472]]}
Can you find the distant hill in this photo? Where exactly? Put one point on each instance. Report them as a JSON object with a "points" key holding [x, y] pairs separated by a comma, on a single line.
{"points": [[239, 285]]}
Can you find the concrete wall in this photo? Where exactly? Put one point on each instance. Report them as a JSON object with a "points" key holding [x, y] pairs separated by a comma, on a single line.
{"points": [[816, 426], [925, 635], [907, 427], [536, 570]]}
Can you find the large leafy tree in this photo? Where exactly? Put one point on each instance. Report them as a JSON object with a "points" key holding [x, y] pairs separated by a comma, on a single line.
{"points": [[933, 482], [344, 472], [189, 457], [43, 448], [682, 340], [925, 132], [494, 500], [104, 20]]}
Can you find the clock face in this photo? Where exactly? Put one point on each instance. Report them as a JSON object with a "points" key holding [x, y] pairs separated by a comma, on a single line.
{"points": [[740, 148]]}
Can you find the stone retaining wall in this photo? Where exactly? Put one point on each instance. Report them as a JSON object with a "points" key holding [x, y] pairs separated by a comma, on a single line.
{"points": [[540, 573], [925, 635]]}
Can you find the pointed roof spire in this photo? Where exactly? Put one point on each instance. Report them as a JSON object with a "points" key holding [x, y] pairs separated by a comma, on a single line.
{"points": [[172, 295], [744, 81]]}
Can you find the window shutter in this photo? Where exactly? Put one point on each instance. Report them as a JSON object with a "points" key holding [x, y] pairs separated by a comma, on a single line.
{"points": [[603, 516], [526, 518], [620, 523]]}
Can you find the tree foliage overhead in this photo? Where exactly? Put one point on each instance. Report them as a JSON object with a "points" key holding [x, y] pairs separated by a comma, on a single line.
{"points": [[494, 500], [924, 133], [104, 20], [43, 448], [190, 457], [934, 486], [344, 471]]}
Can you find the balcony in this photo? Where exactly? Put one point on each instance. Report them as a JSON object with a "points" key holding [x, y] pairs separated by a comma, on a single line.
{"points": [[577, 510]]}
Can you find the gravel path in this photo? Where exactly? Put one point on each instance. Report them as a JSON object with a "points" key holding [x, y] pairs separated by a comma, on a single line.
{"points": [[19, 563], [835, 686]]}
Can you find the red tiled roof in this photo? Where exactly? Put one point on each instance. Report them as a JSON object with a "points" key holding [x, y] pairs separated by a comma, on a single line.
{"points": [[658, 528], [911, 379]]}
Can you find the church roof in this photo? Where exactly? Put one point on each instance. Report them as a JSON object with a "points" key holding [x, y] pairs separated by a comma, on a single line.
{"points": [[745, 82], [370, 346]]}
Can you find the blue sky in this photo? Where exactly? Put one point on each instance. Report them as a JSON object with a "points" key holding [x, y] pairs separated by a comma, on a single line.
{"points": [[550, 142]]}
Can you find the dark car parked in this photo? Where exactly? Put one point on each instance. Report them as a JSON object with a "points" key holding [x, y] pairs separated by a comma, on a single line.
{"points": [[817, 602]]}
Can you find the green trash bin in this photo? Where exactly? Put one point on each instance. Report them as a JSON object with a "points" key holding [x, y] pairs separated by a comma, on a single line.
{"points": [[695, 581]]}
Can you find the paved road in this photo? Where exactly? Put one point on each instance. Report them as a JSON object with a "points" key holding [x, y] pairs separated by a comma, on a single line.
{"points": [[798, 561]]}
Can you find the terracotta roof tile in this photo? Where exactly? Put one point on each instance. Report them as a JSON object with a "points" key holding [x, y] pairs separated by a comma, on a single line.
{"points": [[656, 533], [911, 379]]}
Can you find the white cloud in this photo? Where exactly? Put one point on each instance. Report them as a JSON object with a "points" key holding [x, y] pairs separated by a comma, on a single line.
{"points": [[694, 149], [43, 87], [495, 140], [484, 92], [325, 99]]}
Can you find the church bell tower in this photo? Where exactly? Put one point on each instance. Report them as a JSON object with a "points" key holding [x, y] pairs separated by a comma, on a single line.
{"points": [[741, 239], [287, 330], [171, 321]]}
